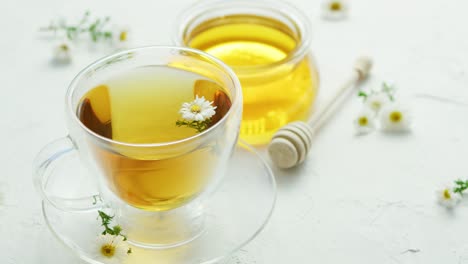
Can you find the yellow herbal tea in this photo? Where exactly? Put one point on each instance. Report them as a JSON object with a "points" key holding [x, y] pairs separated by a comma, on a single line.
{"points": [[275, 91], [141, 107]]}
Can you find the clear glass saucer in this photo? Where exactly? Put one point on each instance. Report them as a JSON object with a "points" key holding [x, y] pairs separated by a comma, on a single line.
{"points": [[234, 215]]}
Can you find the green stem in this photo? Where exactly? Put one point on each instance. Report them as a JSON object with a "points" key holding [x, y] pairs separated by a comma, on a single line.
{"points": [[96, 29], [460, 186]]}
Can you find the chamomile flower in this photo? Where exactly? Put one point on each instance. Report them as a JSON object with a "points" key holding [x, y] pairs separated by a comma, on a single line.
{"points": [[446, 197], [395, 118], [199, 109], [121, 36], [111, 249], [334, 9], [364, 121], [62, 52], [376, 101]]}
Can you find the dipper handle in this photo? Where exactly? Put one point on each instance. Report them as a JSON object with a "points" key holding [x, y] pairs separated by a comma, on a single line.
{"points": [[291, 143]]}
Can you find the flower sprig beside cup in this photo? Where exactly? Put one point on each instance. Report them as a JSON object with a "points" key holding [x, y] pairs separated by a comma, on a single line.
{"points": [[97, 30], [450, 196], [381, 105], [111, 243], [197, 114]]}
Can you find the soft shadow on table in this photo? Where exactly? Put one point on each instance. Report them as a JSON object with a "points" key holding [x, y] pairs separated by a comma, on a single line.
{"points": [[286, 178], [56, 64]]}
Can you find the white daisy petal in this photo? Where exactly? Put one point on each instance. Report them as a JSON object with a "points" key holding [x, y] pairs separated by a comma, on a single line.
{"points": [[364, 121], [447, 198], [377, 101], [198, 100], [62, 52], [110, 249], [334, 9], [395, 118], [198, 110], [208, 113], [187, 116], [199, 117], [121, 36]]}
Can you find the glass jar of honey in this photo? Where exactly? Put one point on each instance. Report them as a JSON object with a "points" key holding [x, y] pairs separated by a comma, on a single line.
{"points": [[267, 45]]}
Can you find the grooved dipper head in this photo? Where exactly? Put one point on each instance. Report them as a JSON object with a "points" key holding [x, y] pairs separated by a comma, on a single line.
{"points": [[290, 145]]}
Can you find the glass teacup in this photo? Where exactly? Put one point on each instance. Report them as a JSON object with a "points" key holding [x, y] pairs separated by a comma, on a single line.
{"points": [[155, 188]]}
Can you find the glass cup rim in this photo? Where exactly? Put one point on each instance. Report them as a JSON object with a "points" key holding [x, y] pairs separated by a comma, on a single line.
{"points": [[236, 94], [283, 8]]}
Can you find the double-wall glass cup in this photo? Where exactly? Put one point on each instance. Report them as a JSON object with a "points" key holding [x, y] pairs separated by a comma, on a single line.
{"points": [[156, 190]]}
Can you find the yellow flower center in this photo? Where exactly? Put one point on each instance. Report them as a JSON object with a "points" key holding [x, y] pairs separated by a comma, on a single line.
{"points": [[335, 6], [64, 47], [363, 121], [396, 117], [108, 250], [195, 108], [123, 36], [376, 105], [447, 195]]}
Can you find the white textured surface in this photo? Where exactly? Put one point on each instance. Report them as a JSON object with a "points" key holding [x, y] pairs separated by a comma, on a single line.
{"points": [[356, 199]]}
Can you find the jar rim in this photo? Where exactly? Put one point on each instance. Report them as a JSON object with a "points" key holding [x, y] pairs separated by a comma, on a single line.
{"points": [[283, 9]]}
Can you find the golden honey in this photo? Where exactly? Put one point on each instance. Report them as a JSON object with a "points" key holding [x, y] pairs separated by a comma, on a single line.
{"points": [[277, 86]]}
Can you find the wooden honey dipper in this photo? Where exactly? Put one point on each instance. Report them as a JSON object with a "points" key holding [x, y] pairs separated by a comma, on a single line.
{"points": [[291, 143]]}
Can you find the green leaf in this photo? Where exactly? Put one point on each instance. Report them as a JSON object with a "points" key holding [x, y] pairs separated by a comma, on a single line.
{"points": [[117, 229], [105, 222], [362, 94], [389, 91], [95, 29], [461, 186], [200, 126]]}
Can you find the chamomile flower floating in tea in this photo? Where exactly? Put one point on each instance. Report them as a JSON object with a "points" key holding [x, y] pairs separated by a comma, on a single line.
{"points": [[364, 122], [334, 9], [197, 114], [198, 110], [111, 249], [395, 117]]}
